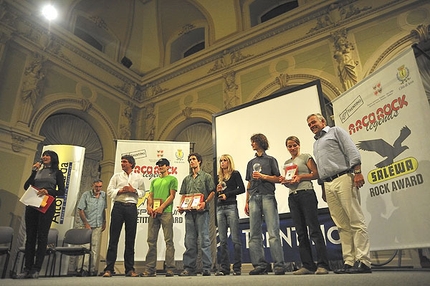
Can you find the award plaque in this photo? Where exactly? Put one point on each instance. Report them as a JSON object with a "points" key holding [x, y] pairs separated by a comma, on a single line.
{"points": [[156, 203], [290, 171], [192, 201]]}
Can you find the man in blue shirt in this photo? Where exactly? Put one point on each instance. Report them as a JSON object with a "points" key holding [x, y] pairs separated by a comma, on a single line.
{"points": [[92, 211], [339, 167]]}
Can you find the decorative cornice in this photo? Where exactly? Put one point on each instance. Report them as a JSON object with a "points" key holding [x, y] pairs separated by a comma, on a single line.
{"points": [[401, 42], [325, 84]]}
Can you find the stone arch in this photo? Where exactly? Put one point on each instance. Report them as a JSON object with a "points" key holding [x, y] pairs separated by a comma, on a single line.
{"points": [[181, 120], [82, 109]]}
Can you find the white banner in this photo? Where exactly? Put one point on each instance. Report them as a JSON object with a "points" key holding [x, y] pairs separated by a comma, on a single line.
{"points": [[387, 116], [146, 154], [71, 163]]}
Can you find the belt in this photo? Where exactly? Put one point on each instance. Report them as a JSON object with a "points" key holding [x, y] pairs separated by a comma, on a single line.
{"points": [[329, 179], [295, 192], [125, 204]]}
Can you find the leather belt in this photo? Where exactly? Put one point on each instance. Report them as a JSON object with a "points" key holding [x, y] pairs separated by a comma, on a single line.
{"points": [[329, 179], [125, 204], [295, 192]]}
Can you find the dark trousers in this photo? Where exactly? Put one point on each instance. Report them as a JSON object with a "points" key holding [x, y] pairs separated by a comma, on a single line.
{"points": [[303, 207], [122, 214], [37, 226]]}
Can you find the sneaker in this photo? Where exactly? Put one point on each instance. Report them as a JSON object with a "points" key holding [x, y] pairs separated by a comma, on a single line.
{"points": [[303, 271], [34, 274], [206, 272], [343, 270], [258, 271], [170, 273], [149, 274], [22, 275], [131, 273], [279, 271], [237, 272], [321, 270], [187, 273], [222, 273], [359, 268], [107, 274]]}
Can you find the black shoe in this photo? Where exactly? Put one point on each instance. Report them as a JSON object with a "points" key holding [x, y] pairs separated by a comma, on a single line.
{"points": [[360, 268], [22, 275], [258, 271], [279, 271], [343, 270], [237, 272], [222, 273], [206, 272]]}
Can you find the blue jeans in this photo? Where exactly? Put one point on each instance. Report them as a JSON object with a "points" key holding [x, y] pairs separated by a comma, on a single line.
{"points": [[304, 211], [228, 216], [197, 232], [266, 205]]}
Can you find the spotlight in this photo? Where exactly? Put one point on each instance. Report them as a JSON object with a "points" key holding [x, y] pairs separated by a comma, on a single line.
{"points": [[49, 12]]}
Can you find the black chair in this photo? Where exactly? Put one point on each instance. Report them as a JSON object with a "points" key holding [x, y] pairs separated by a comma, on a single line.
{"points": [[50, 252], [73, 245], [6, 237]]}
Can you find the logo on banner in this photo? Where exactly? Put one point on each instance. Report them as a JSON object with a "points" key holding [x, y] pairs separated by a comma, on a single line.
{"points": [[137, 154], [160, 153], [179, 155], [60, 205], [389, 169], [381, 115], [384, 149], [403, 74], [377, 89]]}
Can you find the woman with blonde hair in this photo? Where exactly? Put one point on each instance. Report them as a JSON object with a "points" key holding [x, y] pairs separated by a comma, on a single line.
{"points": [[230, 184]]}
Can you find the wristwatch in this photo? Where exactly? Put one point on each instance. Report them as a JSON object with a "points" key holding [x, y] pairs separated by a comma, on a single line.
{"points": [[357, 171]]}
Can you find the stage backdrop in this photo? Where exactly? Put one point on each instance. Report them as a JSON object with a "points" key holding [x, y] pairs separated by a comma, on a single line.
{"points": [[387, 115], [146, 154], [277, 116]]}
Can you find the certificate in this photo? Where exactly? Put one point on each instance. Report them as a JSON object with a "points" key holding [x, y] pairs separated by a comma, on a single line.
{"points": [[156, 203], [30, 198], [290, 171], [192, 201]]}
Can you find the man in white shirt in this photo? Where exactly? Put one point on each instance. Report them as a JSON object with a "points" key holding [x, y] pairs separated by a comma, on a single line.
{"points": [[125, 188]]}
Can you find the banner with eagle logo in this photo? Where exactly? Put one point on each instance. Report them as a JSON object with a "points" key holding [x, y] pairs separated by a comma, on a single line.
{"points": [[146, 154], [386, 115]]}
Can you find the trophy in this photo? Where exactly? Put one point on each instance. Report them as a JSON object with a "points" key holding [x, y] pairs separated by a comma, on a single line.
{"points": [[256, 167], [223, 187]]}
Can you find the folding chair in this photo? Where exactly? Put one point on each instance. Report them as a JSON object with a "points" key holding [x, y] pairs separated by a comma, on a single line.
{"points": [[73, 242], [6, 237], [50, 252]]}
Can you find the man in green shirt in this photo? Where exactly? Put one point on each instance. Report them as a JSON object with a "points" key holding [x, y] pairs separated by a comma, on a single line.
{"points": [[159, 206]]}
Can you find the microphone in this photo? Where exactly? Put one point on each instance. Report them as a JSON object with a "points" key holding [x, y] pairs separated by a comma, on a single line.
{"points": [[37, 168]]}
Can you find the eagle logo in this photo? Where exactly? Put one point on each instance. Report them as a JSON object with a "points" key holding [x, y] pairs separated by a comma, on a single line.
{"points": [[384, 149]]}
